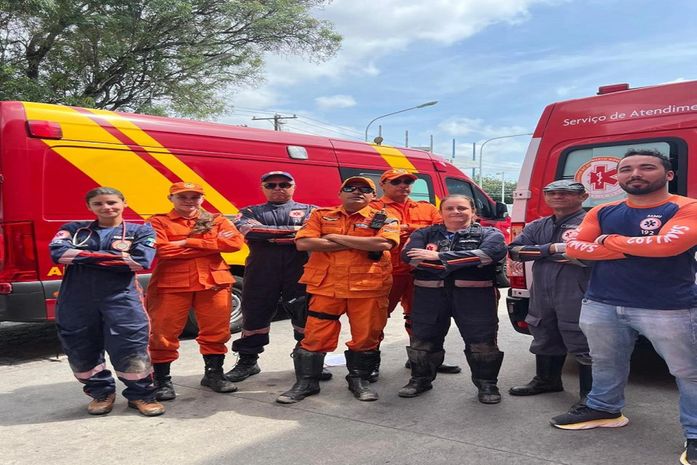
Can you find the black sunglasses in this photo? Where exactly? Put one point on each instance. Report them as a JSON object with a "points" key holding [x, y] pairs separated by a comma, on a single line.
{"points": [[363, 189], [282, 185], [398, 181]]}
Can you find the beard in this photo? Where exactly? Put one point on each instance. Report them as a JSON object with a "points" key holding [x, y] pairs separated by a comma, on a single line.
{"points": [[644, 189]]}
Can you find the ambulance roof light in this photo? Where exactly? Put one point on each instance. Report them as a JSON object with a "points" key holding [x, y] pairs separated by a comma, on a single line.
{"points": [[612, 88], [44, 129]]}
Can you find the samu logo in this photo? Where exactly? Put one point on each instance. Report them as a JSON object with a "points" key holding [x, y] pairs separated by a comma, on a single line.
{"points": [[649, 225]]}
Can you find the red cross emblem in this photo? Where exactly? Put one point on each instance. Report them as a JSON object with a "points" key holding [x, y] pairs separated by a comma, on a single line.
{"points": [[599, 177]]}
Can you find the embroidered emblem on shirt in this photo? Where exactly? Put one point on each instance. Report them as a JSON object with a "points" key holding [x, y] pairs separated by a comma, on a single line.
{"points": [[650, 224], [569, 235], [296, 213], [329, 218]]}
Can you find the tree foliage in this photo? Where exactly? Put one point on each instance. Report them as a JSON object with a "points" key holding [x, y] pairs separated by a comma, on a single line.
{"points": [[492, 186], [152, 56]]}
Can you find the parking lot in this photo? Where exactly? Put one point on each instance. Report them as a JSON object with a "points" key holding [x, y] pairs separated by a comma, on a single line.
{"points": [[43, 418]]}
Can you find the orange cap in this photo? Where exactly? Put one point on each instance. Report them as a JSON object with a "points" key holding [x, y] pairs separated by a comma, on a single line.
{"points": [[396, 173], [178, 187], [365, 180]]}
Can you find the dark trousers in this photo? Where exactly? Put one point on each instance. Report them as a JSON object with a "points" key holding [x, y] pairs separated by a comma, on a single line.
{"points": [[473, 309], [271, 279], [88, 324]]}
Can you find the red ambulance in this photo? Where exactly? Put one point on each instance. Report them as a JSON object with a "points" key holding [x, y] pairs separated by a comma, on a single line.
{"points": [[584, 139], [51, 155]]}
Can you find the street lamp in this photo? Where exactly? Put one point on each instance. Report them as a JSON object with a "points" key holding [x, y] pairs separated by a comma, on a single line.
{"points": [[427, 104], [503, 186], [481, 149]]}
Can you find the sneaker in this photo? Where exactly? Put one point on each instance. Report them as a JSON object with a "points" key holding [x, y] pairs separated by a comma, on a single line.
{"points": [[101, 406], [689, 456], [584, 417], [149, 408]]}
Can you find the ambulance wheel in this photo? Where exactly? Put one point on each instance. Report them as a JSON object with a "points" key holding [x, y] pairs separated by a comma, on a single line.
{"points": [[191, 328]]}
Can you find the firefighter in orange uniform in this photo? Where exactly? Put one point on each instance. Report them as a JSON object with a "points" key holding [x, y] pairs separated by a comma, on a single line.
{"points": [[396, 187], [190, 272], [349, 271]]}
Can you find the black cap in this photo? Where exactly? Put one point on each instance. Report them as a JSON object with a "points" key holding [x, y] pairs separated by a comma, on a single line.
{"points": [[565, 185]]}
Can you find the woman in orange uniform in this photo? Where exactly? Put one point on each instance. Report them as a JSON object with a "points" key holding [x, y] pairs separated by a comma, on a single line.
{"points": [[190, 272]]}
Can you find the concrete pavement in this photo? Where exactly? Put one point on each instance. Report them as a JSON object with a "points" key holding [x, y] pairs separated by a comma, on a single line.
{"points": [[43, 418]]}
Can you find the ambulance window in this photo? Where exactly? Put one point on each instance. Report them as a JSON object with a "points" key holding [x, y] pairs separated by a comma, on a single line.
{"points": [[459, 186], [419, 191], [422, 189], [596, 167]]}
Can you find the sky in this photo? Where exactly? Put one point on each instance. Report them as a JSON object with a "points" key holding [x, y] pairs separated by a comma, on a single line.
{"points": [[492, 65]]}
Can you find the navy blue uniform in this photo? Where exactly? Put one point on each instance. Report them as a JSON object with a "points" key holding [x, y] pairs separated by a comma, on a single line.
{"points": [[558, 286], [100, 305], [459, 285], [272, 271]]}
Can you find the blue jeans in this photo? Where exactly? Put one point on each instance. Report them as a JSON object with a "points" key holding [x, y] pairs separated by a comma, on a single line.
{"points": [[612, 332]]}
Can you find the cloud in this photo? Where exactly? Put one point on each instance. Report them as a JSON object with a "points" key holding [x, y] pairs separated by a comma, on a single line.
{"points": [[335, 101], [463, 126], [374, 29], [263, 97]]}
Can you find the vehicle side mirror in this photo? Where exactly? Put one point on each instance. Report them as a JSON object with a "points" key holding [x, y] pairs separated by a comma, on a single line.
{"points": [[501, 210]]}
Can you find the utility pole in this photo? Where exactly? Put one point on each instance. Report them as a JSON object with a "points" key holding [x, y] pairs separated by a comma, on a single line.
{"points": [[503, 186], [474, 157], [276, 120]]}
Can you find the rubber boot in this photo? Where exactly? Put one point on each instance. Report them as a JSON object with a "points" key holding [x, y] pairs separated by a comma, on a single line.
{"points": [[547, 379], [164, 389], [375, 373], [214, 377], [326, 375], [485, 368], [424, 366], [443, 368], [585, 382], [245, 367], [360, 365], [308, 369]]}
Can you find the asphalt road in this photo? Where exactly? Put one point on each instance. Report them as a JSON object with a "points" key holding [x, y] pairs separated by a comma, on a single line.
{"points": [[42, 416]]}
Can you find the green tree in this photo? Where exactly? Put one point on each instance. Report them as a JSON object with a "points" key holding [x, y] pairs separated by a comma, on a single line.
{"points": [[492, 186], [152, 56]]}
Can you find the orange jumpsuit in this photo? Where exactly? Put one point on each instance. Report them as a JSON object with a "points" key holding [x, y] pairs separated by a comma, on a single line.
{"points": [[412, 216], [346, 281], [192, 276]]}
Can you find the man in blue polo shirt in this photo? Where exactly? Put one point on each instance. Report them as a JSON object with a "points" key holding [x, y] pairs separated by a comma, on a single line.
{"points": [[644, 243]]}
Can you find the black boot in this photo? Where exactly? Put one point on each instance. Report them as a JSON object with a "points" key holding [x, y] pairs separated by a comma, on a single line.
{"points": [[547, 379], [360, 365], [424, 366], [326, 375], [214, 377], [585, 382], [443, 368], [245, 367], [485, 368], [375, 373], [308, 369], [449, 369], [164, 389]]}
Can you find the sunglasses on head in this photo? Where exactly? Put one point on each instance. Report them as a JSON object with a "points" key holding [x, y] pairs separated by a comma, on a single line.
{"points": [[398, 181], [363, 189], [282, 185]]}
